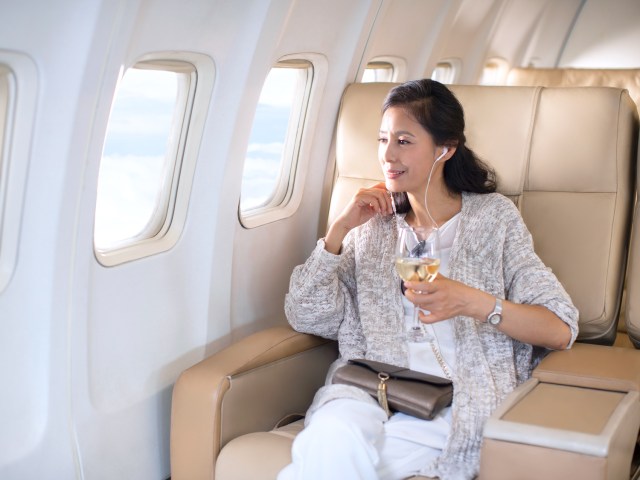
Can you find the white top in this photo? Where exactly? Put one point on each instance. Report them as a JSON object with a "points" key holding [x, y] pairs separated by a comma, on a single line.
{"points": [[431, 433], [421, 356]]}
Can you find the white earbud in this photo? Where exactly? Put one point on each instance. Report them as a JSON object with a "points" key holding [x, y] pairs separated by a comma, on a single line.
{"points": [[444, 152]]}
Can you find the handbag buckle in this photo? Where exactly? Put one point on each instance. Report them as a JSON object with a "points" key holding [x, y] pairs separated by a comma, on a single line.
{"points": [[382, 392]]}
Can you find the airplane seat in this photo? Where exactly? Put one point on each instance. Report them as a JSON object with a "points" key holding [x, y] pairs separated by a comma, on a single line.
{"points": [[632, 302], [566, 157], [628, 333]]}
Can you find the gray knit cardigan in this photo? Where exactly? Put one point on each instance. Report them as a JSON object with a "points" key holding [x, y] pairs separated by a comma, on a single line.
{"points": [[355, 298]]}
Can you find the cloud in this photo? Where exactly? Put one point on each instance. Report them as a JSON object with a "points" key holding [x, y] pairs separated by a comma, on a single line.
{"points": [[280, 87], [129, 191], [274, 148]]}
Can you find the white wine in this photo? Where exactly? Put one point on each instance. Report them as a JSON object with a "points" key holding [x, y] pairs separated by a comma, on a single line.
{"points": [[418, 269]]}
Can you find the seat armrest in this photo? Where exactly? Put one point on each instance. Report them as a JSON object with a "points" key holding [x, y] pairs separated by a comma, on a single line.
{"points": [[547, 430], [225, 395], [592, 366], [577, 417]]}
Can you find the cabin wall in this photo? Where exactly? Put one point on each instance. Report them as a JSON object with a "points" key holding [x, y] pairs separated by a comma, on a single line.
{"points": [[35, 438], [173, 306], [89, 353], [260, 269], [604, 36], [533, 33], [416, 47]]}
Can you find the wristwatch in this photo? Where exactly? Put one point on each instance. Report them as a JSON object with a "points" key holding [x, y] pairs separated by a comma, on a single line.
{"points": [[495, 317]]}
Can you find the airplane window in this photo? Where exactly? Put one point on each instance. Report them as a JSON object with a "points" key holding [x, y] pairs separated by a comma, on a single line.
{"points": [[267, 179], [495, 72], [135, 160], [446, 71], [142, 160], [378, 72]]}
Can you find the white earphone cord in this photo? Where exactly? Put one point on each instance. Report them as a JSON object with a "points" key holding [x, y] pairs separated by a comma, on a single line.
{"points": [[426, 204]]}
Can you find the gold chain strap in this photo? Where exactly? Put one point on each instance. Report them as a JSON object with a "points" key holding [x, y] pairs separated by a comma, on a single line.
{"points": [[437, 354], [443, 365]]}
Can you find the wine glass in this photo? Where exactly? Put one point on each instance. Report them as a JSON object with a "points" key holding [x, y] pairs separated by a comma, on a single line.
{"points": [[418, 260]]}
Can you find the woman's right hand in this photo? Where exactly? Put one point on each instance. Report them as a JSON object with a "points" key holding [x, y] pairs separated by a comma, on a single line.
{"points": [[364, 205]]}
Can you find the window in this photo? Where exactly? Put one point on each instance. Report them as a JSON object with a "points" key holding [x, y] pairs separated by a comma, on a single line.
{"points": [[135, 160], [447, 71], [274, 144], [386, 68], [378, 72], [18, 97], [495, 72], [147, 160]]}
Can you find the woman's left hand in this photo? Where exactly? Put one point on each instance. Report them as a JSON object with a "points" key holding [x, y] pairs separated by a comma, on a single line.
{"points": [[442, 298], [445, 298]]}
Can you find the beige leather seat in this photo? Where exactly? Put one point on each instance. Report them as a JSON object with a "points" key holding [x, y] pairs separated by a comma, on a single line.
{"points": [[629, 324], [632, 307], [566, 157]]}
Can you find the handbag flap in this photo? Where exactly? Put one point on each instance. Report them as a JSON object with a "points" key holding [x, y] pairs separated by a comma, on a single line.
{"points": [[413, 393], [400, 372]]}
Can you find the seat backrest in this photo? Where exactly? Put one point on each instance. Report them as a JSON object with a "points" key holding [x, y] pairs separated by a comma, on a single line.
{"points": [[565, 156], [632, 308], [628, 78]]}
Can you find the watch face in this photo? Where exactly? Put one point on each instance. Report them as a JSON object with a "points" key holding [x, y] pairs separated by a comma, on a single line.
{"points": [[495, 319]]}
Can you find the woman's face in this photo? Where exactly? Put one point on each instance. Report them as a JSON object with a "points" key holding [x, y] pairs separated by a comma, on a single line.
{"points": [[406, 152]]}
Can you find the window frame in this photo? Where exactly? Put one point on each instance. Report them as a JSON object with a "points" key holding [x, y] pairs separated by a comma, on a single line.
{"points": [[21, 83], [287, 193], [376, 66], [167, 222], [499, 68], [453, 67], [398, 67]]}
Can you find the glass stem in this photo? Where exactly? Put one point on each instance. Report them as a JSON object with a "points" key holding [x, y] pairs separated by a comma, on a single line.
{"points": [[416, 321]]}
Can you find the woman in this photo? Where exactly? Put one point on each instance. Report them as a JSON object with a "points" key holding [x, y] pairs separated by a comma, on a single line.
{"points": [[348, 290]]}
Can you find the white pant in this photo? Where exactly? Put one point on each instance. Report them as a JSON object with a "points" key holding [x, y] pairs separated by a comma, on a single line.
{"points": [[350, 439]]}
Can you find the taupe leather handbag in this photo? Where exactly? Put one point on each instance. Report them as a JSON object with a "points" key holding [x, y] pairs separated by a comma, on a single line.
{"points": [[398, 389]]}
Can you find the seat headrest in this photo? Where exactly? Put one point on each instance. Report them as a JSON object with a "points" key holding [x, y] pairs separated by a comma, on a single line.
{"points": [[625, 78]]}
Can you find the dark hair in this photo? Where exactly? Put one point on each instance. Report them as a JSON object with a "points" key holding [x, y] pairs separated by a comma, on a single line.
{"points": [[439, 112]]}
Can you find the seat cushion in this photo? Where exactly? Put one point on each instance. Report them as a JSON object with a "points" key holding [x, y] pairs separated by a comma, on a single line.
{"points": [[261, 455], [258, 455]]}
